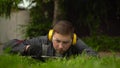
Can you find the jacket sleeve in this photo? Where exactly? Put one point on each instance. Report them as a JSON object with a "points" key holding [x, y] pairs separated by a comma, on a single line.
{"points": [[82, 47], [13, 46], [35, 49]]}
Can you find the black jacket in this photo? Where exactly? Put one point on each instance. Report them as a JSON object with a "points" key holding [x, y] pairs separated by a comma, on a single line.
{"points": [[41, 46]]}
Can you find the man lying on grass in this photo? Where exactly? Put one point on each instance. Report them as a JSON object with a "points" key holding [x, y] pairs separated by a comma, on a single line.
{"points": [[61, 41]]}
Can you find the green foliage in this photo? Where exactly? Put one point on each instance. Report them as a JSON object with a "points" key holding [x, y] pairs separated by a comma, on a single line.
{"points": [[15, 61], [34, 30], [103, 43], [41, 19], [92, 15], [6, 7]]}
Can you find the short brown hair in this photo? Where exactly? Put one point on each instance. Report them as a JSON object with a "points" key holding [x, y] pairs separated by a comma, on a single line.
{"points": [[63, 27]]}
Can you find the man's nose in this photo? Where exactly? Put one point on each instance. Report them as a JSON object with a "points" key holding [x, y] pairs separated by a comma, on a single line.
{"points": [[60, 45]]}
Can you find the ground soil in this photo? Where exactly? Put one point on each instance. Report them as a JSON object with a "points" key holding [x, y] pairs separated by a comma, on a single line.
{"points": [[103, 54]]}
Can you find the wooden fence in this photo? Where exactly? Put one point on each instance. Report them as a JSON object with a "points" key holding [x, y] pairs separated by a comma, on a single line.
{"points": [[11, 28]]}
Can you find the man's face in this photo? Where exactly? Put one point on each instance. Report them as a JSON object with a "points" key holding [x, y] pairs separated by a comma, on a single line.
{"points": [[61, 43]]}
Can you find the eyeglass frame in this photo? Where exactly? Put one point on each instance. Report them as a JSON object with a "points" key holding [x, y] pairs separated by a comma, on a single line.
{"points": [[59, 41]]}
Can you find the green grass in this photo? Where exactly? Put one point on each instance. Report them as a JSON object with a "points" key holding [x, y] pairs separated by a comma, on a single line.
{"points": [[103, 43], [15, 61]]}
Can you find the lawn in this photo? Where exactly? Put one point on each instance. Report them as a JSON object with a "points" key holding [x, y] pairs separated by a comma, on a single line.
{"points": [[16, 61]]}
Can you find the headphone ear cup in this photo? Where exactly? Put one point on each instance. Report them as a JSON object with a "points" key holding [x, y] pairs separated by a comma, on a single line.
{"points": [[74, 39], [50, 34]]}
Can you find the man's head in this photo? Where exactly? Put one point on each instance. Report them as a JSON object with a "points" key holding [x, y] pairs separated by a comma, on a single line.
{"points": [[64, 27], [62, 36]]}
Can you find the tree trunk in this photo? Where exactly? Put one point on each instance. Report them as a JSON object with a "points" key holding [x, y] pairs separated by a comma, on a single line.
{"points": [[57, 10]]}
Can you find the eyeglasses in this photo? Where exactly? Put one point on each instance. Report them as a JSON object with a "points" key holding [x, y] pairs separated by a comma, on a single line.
{"points": [[60, 41]]}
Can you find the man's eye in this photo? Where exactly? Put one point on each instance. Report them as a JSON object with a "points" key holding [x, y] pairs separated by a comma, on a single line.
{"points": [[58, 41], [65, 42]]}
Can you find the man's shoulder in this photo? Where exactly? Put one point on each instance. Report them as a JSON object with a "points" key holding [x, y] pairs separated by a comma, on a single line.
{"points": [[40, 38], [43, 37]]}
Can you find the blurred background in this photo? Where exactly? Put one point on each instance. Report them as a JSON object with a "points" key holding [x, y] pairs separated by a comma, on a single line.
{"points": [[97, 22]]}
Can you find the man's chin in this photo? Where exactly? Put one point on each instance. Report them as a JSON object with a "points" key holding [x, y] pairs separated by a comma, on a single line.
{"points": [[60, 52]]}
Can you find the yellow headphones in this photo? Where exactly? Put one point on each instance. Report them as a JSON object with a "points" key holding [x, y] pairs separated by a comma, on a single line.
{"points": [[74, 40]]}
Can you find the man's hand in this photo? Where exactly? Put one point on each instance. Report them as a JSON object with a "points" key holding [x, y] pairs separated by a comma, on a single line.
{"points": [[26, 48], [33, 50]]}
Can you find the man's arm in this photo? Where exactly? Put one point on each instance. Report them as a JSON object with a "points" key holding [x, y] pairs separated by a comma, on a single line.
{"points": [[34, 46], [31, 47], [82, 47]]}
